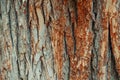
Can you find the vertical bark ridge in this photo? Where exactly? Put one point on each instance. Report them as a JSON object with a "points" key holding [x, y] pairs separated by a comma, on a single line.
{"points": [[114, 32], [103, 48], [13, 25], [112, 72], [42, 46], [21, 24], [57, 36], [80, 62], [6, 67], [106, 61]]}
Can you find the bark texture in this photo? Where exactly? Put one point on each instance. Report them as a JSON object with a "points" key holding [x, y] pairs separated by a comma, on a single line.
{"points": [[59, 40]]}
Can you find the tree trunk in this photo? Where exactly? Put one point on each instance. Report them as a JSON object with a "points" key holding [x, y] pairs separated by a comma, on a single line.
{"points": [[59, 40]]}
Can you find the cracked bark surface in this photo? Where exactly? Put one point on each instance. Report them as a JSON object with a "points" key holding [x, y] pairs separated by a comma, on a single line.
{"points": [[59, 40]]}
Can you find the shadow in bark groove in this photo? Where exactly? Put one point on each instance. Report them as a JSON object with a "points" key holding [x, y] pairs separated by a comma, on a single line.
{"points": [[74, 40], [17, 43], [113, 68], [42, 9], [28, 28], [66, 54], [9, 17], [94, 57]]}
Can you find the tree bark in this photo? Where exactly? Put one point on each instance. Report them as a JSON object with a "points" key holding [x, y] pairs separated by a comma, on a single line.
{"points": [[59, 40]]}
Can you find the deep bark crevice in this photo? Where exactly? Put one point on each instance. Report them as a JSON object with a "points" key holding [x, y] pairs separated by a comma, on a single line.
{"points": [[72, 24], [17, 43], [65, 44], [113, 64], [91, 68], [75, 9], [28, 28], [42, 9], [52, 11], [9, 17], [27, 13], [66, 55], [74, 40], [94, 56], [37, 20], [69, 14]]}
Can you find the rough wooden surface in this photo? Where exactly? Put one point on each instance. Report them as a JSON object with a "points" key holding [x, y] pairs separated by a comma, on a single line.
{"points": [[59, 40]]}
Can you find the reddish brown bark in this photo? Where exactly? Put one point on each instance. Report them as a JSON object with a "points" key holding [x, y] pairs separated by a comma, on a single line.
{"points": [[59, 40]]}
